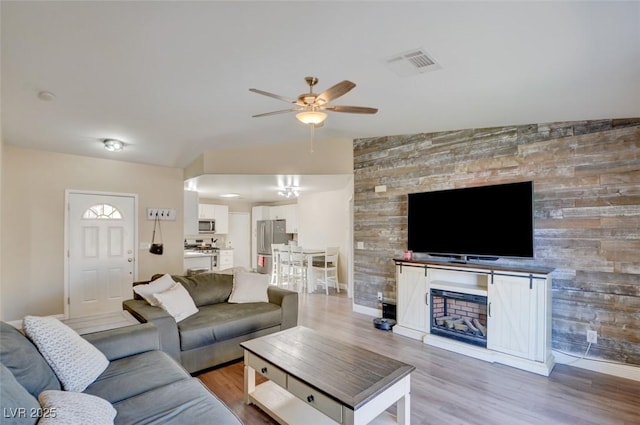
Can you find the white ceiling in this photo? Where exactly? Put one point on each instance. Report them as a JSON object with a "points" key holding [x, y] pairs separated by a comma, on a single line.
{"points": [[171, 79]]}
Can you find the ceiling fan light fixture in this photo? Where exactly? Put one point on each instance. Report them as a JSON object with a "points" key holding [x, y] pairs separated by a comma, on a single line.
{"points": [[311, 117], [113, 145]]}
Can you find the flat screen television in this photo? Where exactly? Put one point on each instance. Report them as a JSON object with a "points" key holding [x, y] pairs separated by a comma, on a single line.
{"points": [[477, 222]]}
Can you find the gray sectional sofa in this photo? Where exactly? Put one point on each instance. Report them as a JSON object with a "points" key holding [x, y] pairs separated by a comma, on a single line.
{"points": [[213, 335], [144, 385]]}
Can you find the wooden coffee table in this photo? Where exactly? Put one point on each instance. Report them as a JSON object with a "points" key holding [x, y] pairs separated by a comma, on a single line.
{"points": [[315, 379]]}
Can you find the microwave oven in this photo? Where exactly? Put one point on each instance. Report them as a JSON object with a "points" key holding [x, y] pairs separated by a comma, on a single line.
{"points": [[206, 226]]}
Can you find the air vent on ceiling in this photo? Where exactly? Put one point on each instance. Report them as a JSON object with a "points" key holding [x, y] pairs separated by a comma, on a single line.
{"points": [[412, 62]]}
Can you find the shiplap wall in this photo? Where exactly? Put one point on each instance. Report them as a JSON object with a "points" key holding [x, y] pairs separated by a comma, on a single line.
{"points": [[587, 215]]}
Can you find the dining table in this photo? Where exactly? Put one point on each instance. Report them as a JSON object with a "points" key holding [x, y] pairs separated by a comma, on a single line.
{"points": [[309, 255]]}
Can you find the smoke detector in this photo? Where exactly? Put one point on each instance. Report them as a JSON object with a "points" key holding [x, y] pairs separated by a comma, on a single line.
{"points": [[412, 62]]}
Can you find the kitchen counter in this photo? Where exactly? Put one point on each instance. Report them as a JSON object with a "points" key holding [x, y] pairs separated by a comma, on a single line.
{"points": [[189, 254]]}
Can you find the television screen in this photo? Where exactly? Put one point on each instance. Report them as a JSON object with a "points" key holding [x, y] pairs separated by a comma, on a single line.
{"points": [[485, 221]]}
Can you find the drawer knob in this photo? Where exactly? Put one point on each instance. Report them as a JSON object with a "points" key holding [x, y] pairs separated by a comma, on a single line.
{"points": [[263, 370], [310, 398]]}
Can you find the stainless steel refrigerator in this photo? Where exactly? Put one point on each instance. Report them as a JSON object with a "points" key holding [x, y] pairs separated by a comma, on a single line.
{"points": [[267, 233]]}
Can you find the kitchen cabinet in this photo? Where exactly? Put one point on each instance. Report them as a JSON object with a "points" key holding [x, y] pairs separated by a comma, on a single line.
{"points": [[412, 307], [190, 212], [288, 213], [225, 259], [219, 213]]}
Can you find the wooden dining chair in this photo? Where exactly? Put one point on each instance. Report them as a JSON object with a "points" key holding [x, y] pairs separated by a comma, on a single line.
{"points": [[327, 269]]}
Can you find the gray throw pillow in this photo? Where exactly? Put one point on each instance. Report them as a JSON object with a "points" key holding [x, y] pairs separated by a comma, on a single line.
{"points": [[25, 362], [207, 288]]}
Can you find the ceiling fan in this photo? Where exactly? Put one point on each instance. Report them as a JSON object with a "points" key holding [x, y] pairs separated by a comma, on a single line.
{"points": [[310, 106]]}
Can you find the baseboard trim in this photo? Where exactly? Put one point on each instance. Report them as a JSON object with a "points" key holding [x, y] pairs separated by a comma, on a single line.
{"points": [[615, 369], [369, 311]]}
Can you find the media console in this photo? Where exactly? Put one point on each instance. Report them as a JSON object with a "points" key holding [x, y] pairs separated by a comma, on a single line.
{"points": [[486, 311]]}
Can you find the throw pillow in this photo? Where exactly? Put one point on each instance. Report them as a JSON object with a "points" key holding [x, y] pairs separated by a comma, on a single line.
{"points": [[74, 360], [146, 291], [68, 408], [177, 302], [249, 287]]}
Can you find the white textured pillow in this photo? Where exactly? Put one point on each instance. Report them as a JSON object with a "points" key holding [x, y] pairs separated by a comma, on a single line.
{"points": [[177, 302], [159, 285], [69, 408], [74, 360], [249, 287]]}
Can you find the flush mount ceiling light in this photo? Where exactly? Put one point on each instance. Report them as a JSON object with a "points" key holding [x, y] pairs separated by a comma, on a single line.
{"points": [[46, 96], [113, 145], [288, 192], [230, 195]]}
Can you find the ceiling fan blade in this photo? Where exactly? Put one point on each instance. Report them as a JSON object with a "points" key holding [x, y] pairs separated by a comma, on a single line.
{"points": [[275, 96], [334, 92], [266, 114], [351, 109]]}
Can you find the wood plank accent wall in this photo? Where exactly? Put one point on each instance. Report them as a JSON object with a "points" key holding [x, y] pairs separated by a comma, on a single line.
{"points": [[587, 215]]}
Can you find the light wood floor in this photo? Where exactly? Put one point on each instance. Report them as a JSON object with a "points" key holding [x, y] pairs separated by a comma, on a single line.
{"points": [[452, 389]]}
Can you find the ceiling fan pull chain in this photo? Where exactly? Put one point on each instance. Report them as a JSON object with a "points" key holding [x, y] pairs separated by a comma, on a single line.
{"points": [[312, 130]]}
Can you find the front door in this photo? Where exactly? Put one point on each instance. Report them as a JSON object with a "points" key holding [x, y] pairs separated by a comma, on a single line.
{"points": [[101, 254]]}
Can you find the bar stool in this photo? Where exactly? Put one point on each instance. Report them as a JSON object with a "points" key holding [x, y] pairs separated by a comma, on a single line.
{"points": [[297, 268], [329, 268], [275, 263]]}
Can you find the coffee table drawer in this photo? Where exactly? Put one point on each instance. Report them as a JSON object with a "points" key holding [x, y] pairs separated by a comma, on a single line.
{"points": [[268, 370], [315, 398]]}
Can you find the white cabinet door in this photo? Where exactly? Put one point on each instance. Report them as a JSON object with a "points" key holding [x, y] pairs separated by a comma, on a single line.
{"points": [[222, 219], [207, 211], [412, 289], [513, 326], [190, 212], [225, 259], [291, 215]]}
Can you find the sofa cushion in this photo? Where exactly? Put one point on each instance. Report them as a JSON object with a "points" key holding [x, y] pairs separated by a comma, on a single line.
{"points": [[18, 406], [130, 376], [75, 361], [207, 288], [183, 402], [25, 362], [70, 408], [219, 322]]}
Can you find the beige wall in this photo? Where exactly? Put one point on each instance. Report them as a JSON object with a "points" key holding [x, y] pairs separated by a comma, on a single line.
{"points": [[32, 226], [331, 156], [324, 220]]}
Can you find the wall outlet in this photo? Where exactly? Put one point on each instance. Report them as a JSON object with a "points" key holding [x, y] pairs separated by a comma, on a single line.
{"points": [[592, 336], [380, 296]]}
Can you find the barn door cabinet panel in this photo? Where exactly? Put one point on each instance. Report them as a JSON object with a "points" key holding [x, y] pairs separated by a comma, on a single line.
{"points": [[517, 321], [412, 310]]}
